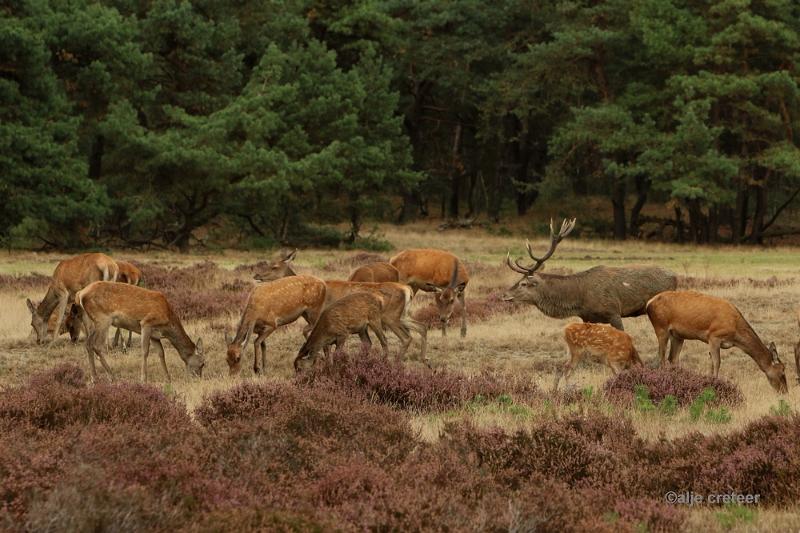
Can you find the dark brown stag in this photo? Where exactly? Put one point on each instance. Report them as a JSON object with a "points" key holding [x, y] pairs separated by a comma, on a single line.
{"points": [[601, 294]]}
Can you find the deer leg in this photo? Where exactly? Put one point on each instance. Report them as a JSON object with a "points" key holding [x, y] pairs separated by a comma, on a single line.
{"points": [[663, 337], [366, 342], [402, 334], [117, 335], [377, 326], [568, 368], [101, 348], [130, 339], [146, 333], [260, 348], [714, 346], [463, 313], [61, 310], [90, 340], [161, 358], [675, 347], [422, 329]]}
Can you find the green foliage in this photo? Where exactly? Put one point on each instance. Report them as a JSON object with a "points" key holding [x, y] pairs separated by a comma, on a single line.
{"points": [[141, 122], [698, 406], [641, 399], [782, 409], [669, 405], [734, 514]]}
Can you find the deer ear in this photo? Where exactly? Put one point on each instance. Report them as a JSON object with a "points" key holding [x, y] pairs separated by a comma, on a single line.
{"points": [[198, 346], [290, 257], [31, 307], [228, 339]]}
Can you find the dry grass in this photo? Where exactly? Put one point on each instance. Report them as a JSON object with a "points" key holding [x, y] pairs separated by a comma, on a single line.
{"points": [[523, 343]]}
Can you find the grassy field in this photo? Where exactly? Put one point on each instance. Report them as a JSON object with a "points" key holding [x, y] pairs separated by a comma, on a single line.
{"points": [[523, 343]]}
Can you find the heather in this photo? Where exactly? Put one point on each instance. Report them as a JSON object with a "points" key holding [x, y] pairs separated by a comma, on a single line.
{"points": [[27, 282], [420, 389], [199, 291], [681, 383], [330, 451]]}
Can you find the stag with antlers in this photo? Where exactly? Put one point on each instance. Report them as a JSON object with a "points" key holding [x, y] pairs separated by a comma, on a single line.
{"points": [[601, 294]]}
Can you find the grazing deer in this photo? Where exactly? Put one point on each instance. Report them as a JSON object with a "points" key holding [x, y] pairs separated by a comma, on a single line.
{"points": [[395, 316], [352, 314], [688, 315], [136, 309], [601, 342], [71, 324], [601, 294], [269, 306], [436, 271], [70, 276], [128, 273], [375, 273], [395, 311]]}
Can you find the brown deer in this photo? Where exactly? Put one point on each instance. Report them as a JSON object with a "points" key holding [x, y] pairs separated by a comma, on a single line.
{"points": [[70, 325], [375, 273], [269, 306], [395, 311], [395, 315], [601, 294], [128, 273], [146, 312], [70, 276], [601, 342], [352, 314], [436, 271], [688, 315]]}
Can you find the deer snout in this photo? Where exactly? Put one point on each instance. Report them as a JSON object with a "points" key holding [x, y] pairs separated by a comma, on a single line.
{"points": [[507, 297]]}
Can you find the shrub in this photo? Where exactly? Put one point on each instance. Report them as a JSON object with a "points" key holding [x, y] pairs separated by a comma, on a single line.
{"points": [[381, 380], [27, 283], [676, 381]]}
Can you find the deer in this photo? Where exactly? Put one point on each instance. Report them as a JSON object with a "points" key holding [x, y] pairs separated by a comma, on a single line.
{"points": [[437, 271], [602, 294], [70, 325], [351, 314], [69, 276], [269, 306], [601, 342], [375, 272], [147, 312], [128, 273], [677, 316], [397, 295]]}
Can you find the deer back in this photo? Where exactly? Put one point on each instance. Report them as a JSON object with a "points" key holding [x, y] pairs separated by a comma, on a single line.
{"points": [[427, 266], [128, 273], [128, 303], [600, 340], [285, 298], [77, 272], [375, 273]]}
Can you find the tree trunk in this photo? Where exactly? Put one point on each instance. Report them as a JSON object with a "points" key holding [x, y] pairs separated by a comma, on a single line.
{"points": [[96, 158], [642, 188], [618, 201], [757, 233], [456, 172], [740, 217], [678, 224]]}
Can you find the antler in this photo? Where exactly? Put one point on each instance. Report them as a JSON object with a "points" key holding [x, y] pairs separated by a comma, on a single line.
{"points": [[566, 227]]}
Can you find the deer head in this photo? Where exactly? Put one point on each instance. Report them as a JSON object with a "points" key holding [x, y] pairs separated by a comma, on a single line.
{"points": [[776, 372], [38, 324], [528, 288], [234, 354], [196, 360], [278, 268], [446, 297]]}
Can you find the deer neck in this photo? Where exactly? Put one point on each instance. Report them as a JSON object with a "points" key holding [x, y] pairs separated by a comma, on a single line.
{"points": [[179, 339], [48, 304], [558, 296], [751, 344]]}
